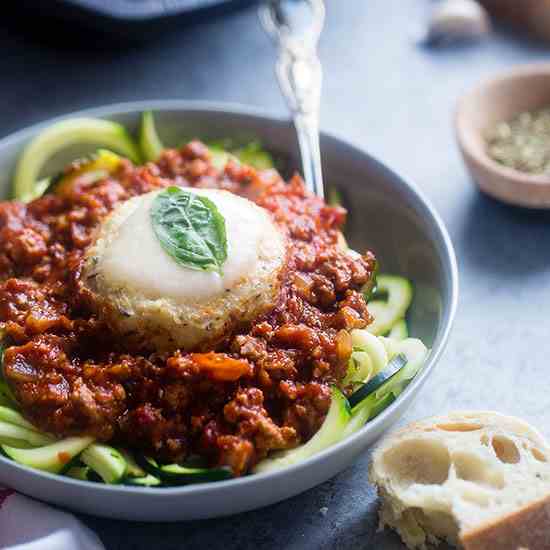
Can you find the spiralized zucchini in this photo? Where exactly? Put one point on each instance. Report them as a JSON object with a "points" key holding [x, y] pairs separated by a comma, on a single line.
{"points": [[149, 140], [387, 312], [59, 136], [222, 151]]}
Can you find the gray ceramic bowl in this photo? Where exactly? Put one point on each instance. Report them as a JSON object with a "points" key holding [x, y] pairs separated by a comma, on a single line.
{"points": [[387, 214]]}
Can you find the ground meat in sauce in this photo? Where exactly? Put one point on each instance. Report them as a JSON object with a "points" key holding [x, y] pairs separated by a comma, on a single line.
{"points": [[72, 377]]}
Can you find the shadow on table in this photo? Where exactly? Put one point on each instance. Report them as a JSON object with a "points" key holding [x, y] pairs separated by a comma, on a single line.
{"points": [[504, 240], [341, 513], [295, 523]]}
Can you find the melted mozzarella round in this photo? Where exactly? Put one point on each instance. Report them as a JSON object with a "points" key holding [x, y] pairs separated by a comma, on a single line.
{"points": [[141, 290], [135, 257]]}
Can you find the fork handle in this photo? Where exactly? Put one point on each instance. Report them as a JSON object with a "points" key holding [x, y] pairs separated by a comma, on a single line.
{"points": [[299, 74]]}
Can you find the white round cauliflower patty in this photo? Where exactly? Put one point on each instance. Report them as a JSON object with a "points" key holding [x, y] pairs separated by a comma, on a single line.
{"points": [[149, 299]]}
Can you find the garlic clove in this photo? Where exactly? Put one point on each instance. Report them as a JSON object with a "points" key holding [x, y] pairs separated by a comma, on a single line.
{"points": [[457, 21]]}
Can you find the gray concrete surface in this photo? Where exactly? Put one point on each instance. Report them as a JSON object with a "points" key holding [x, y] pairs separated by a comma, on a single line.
{"points": [[396, 100]]}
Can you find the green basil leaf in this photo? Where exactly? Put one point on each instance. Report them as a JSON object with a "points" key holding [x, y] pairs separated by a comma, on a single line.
{"points": [[190, 229]]}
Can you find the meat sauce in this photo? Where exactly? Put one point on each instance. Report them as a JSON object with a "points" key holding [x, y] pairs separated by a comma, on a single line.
{"points": [[72, 376]]}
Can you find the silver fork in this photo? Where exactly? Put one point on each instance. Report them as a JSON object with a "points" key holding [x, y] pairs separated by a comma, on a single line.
{"points": [[299, 75]]}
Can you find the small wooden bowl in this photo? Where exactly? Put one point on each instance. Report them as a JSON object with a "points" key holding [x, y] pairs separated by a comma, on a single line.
{"points": [[498, 100]]}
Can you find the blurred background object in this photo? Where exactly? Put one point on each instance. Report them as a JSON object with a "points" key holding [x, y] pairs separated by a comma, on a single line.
{"points": [[457, 21], [532, 16], [503, 129], [129, 19]]}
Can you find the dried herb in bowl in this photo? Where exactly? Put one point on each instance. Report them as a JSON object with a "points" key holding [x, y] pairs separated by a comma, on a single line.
{"points": [[522, 143]]}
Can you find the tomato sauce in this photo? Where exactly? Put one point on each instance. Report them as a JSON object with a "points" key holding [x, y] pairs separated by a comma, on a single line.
{"points": [[264, 388]]}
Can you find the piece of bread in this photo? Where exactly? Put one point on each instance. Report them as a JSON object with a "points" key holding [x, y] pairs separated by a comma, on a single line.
{"points": [[480, 480]]}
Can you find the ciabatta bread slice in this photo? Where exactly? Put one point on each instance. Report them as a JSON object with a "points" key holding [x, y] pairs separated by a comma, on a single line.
{"points": [[479, 480]]}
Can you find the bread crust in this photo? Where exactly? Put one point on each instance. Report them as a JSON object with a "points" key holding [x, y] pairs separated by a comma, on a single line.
{"points": [[528, 527]]}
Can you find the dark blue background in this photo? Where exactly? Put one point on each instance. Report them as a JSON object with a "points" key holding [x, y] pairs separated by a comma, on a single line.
{"points": [[396, 100]]}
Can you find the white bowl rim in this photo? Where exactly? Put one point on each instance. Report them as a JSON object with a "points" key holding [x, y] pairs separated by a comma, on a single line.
{"points": [[247, 111]]}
